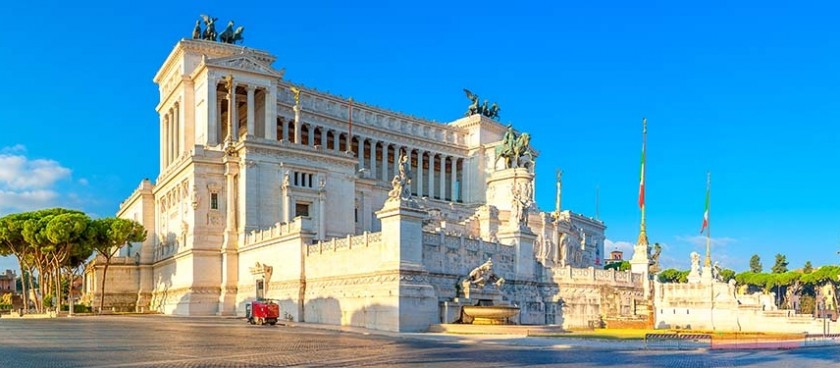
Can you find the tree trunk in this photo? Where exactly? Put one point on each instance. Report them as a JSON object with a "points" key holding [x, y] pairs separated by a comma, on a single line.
{"points": [[25, 298], [102, 289]]}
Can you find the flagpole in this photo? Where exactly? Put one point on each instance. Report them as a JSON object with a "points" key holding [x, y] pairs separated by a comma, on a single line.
{"points": [[708, 262], [643, 239]]}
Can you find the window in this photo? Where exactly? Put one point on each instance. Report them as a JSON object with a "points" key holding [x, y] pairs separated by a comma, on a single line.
{"points": [[302, 209], [214, 201]]}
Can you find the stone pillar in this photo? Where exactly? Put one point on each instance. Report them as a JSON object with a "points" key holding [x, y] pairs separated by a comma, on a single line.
{"points": [[397, 151], [322, 215], [372, 159], [385, 163], [402, 232], [431, 175], [287, 201], [162, 142], [230, 256], [336, 141], [297, 124], [453, 176], [419, 178], [212, 113], [219, 122], [169, 124], [271, 113], [523, 241], [233, 119], [250, 121], [360, 152], [442, 177]]}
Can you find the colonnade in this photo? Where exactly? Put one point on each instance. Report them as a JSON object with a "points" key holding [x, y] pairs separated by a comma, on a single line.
{"points": [[435, 175]]}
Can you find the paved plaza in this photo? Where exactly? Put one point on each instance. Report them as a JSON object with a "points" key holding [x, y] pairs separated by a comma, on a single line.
{"points": [[157, 341]]}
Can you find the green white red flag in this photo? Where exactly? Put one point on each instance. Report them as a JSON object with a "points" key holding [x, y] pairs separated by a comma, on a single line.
{"points": [[706, 212], [642, 176]]}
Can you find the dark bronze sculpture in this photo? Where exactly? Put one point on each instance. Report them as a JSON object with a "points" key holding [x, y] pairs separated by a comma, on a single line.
{"points": [[197, 30], [229, 35], [485, 109], [210, 30]]}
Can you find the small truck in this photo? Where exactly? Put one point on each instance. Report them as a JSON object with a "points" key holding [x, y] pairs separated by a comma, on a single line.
{"points": [[262, 312]]}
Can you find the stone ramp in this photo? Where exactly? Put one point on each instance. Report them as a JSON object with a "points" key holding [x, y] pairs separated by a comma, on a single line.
{"points": [[521, 330]]}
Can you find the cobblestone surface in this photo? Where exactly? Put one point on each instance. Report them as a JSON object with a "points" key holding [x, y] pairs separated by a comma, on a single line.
{"points": [[156, 341]]}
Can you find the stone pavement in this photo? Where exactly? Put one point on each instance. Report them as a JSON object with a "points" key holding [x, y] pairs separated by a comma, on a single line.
{"points": [[160, 341]]}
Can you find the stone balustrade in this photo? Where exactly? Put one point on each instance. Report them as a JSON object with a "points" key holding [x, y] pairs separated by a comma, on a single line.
{"points": [[571, 274], [278, 230], [364, 240]]}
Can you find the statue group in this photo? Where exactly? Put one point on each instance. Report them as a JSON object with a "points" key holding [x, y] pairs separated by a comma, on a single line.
{"points": [[229, 35], [513, 148], [485, 109]]}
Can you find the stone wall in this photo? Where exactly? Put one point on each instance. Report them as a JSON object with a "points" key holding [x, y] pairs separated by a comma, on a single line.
{"points": [[712, 305]]}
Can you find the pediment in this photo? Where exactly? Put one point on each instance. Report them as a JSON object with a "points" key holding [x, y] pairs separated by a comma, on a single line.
{"points": [[244, 63]]}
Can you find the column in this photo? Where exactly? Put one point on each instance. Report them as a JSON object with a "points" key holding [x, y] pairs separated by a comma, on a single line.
{"points": [[336, 141], [169, 124], [372, 159], [442, 177], [217, 131], [322, 215], [179, 131], [250, 111], [454, 175], [431, 175], [360, 155], [271, 113], [233, 119], [212, 113], [397, 151], [419, 173], [385, 163], [173, 136], [285, 130], [162, 142], [297, 124]]}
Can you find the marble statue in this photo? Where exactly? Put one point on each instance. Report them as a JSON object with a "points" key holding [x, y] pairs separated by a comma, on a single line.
{"points": [[483, 274], [401, 184]]}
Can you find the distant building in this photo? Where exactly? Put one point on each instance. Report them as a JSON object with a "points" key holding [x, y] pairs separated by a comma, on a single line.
{"points": [[616, 256], [8, 282]]}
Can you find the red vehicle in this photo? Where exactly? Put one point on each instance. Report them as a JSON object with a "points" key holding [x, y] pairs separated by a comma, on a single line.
{"points": [[262, 312]]}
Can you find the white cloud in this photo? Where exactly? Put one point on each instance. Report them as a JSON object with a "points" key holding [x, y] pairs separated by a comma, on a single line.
{"points": [[624, 246], [700, 240], [11, 201], [18, 148], [83, 181], [28, 184], [17, 172]]}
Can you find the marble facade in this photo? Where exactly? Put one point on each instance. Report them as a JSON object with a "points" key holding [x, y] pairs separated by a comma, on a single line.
{"points": [[265, 193]]}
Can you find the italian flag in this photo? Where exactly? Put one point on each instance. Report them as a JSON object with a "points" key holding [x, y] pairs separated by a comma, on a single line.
{"points": [[642, 176], [705, 213]]}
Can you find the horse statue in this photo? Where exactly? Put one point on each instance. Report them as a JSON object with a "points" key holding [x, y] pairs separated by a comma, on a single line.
{"points": [[227, 35], [197, 30], [237, 34], [522, 147]]}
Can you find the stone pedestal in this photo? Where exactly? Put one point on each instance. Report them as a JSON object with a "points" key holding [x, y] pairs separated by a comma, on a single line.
{"points": [[402, 231], [523, 240], [501, 183]]}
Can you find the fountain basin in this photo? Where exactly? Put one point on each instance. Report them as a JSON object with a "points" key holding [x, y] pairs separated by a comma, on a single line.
{"points": [[490, 314]]}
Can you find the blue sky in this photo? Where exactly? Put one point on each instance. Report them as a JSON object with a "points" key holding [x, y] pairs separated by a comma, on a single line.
{"points": [[747, 90]]}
